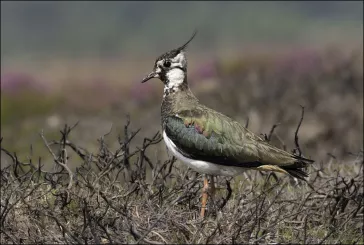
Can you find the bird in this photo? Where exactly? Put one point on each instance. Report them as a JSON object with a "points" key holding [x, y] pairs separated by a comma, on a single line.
{"points": [[208, 141]]}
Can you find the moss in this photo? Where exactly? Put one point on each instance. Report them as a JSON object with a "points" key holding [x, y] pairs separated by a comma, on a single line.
{"points": [[318, 233], [287, 234], [73, 206], [49, 199]]}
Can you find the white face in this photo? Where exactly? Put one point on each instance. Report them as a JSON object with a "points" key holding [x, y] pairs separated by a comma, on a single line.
{"points": [[174, 74], [175, 77]]}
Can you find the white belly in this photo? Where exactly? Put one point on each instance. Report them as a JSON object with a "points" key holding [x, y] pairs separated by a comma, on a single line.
{"points": [[202, 166]]}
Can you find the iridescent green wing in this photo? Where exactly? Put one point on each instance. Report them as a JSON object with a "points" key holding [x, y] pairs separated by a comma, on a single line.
{"points": [[207, 135]]}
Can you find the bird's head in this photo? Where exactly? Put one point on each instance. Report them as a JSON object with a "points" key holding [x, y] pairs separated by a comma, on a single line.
{"points": [[171, 67]]}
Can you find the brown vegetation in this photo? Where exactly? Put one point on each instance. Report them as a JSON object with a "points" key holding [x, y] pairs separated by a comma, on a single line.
{"points": [[109, 200]]}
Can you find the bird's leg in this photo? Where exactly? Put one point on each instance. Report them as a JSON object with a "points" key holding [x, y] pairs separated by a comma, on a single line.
{"points": [[204, 196]]}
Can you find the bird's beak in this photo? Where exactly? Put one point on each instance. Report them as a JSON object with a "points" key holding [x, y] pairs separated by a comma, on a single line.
{"points": [[151, 75]]}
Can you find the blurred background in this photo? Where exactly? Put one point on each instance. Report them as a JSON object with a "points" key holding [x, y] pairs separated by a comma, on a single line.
{"points": [[63, 62]]}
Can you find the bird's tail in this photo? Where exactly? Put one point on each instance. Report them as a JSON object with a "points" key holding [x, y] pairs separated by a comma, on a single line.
{"points": [[297, 169]]}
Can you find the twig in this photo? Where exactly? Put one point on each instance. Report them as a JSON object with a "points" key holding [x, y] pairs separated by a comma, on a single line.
{"points": [[335, 230], [305, 229], [137, 235], [168, 208], [247, 123], [226, 199], [64, 228], [296, 133], [271, 131], [92, 228], [57, 161]]}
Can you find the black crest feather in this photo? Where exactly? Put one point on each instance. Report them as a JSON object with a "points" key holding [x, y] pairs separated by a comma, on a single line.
{"points": [[174, 52], [185, 45]]}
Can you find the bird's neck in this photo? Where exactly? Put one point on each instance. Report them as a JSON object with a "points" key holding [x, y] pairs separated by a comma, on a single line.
{"points": [[177, 97], [175, 82]]}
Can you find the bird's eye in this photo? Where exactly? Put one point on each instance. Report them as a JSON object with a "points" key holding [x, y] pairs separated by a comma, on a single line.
{"points": [[167, 63]]}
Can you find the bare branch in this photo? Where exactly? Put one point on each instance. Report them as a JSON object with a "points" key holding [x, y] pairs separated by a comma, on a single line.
{"points": [[70, 174], [296, 133]]}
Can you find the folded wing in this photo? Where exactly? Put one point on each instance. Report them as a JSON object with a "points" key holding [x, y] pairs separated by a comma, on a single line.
{"points": [[207, 135]]}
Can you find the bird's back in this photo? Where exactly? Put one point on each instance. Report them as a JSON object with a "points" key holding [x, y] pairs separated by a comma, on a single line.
{"points": [[205, 134]]}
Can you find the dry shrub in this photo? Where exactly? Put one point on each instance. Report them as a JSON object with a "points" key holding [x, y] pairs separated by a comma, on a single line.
{"points": [[124, 197]]}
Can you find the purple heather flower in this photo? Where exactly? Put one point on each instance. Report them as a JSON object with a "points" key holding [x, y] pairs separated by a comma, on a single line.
{"points": [[14, 83], [301, 62]]}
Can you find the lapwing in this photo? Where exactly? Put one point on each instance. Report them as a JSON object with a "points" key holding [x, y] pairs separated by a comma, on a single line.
{"points": [[206, 140]]}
